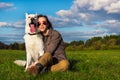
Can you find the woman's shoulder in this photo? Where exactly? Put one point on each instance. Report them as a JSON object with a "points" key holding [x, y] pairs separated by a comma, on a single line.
{"points": [[55, 32]]}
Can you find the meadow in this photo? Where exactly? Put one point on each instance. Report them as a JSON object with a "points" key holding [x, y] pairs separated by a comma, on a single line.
{"points": [[85, 65]]}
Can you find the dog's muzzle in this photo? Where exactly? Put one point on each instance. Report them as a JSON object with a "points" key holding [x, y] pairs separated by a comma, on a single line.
{"points": [[33, 25]]}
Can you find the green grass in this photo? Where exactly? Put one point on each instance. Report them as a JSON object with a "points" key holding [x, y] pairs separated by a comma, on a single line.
{"points": [[85, 65]]}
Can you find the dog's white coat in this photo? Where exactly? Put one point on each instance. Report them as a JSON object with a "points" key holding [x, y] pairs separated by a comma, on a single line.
{"points": [[33, 43]]}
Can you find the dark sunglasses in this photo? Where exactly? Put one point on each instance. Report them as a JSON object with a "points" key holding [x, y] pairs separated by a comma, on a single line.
{"points": [[44, 23]]}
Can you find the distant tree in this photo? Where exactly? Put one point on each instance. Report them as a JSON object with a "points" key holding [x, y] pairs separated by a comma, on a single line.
{"points": [[97, 45], [105, 39], [22, 46], [118, 40], [3, 46], [14, 46], [91, 41], [66, 44], [77, 43], [80, 42]]}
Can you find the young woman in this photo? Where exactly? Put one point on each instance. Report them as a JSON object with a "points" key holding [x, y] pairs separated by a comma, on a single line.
{"points": [[54, 56]]}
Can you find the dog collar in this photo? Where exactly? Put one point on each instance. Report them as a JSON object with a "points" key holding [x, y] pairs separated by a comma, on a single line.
{"points": [[32, 34]]}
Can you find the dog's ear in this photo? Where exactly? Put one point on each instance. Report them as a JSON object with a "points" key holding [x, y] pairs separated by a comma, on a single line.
{"points": [[26, 14], [36, 14]]}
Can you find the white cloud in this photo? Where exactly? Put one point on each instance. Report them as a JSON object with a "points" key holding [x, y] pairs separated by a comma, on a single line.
{"points": [[110, 6], [83, 35], [84, 11], [111, 26], [4, 24], [88, 12], [6, 6], [19, 24], [3, 4], [111, 21], [98, 4], [65, 21], [113, 7], [64, 13]]}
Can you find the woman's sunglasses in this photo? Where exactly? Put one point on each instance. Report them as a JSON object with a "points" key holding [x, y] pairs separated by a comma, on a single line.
{"points": [[44, 23]]}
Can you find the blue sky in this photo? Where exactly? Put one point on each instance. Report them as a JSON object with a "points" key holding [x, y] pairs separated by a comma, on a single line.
{"points": [[74, 19]]}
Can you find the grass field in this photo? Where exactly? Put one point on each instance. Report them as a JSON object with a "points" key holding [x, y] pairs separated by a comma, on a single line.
{"points": [[85, 65]]}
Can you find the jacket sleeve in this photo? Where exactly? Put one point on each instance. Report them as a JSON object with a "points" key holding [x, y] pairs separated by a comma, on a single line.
{"points": [[53, 42]]}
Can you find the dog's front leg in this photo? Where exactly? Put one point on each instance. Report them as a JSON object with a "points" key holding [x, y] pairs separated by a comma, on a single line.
{"points": [[29, 59]]}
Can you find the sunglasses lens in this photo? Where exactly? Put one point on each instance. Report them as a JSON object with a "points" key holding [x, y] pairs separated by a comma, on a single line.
{"points": [[44, 23]]}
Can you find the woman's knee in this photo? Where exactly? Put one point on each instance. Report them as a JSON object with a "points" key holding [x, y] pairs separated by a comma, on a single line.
{"points": [[45, 59], [63, 65]]}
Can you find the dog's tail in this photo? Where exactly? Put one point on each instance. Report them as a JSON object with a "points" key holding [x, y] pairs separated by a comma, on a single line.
{"points": [[20, 62]]}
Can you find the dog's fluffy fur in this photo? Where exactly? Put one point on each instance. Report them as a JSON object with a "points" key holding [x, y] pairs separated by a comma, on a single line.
{"points": [[33, 43]]}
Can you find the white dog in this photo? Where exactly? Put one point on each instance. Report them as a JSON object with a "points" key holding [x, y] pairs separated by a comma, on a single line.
{"points": [[33, 41]]}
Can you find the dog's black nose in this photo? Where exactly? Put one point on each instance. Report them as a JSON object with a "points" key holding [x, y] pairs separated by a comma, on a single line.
{"points": [[32, 19]]}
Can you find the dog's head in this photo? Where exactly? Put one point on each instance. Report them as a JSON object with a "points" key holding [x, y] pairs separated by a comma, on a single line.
{"points": [[31, 23]]}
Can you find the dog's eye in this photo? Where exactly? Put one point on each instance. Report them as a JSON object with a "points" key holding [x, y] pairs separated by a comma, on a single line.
{"points": [[28, 17], [35, 17]]}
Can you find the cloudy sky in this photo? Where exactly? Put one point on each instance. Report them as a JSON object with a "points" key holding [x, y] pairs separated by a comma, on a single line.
{"points": [[74, 19]]}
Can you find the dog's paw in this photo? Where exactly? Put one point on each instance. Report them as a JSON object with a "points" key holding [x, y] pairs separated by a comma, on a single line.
{"points": [[33, 70]]}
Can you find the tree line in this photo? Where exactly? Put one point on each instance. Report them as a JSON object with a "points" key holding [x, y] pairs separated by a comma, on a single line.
{"points": [[13, 46], [94, 43]]}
